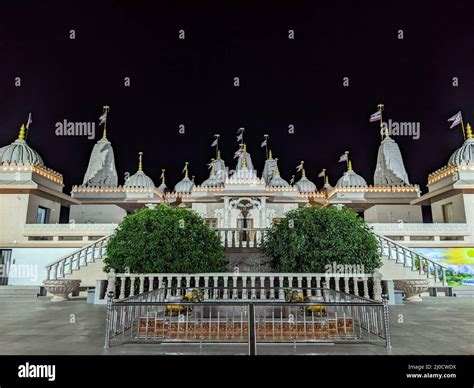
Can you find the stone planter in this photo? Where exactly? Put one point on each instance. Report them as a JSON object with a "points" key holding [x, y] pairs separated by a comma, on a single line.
{"points": [[412, 288], [61, 288]]}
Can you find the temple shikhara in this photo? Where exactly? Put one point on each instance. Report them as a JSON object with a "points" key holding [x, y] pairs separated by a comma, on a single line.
{"points": [[237, 195]]}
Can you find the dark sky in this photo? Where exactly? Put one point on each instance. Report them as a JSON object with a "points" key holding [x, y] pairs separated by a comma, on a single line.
{"points": [[282, 81]]}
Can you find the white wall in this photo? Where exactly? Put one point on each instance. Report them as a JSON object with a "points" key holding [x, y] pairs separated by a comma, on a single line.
{"points": [[28, 264], [13, 210], [393, 213], [97, 214], [458, 209]]}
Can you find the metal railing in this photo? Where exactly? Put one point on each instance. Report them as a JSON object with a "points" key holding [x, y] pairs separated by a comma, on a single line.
{"points": [[333, 316], [411, 259], [125, 285], [79, 258]]}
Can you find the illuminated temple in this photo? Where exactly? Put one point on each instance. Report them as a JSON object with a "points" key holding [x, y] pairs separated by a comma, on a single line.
{"points": [[237, 194]]}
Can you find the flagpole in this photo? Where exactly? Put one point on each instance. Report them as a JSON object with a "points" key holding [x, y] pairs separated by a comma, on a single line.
{"points": [[381, 106], [266, 145], [347, 159], [27, 126], [106, 110], [462, 126]]}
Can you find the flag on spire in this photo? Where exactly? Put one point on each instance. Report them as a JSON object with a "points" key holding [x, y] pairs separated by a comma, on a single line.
{"points": [[292, 180], [264, 143], [29, 121], [299, 167], [456, 120], [185, 167], [215, 142], [238, 153], [343, 157], [209, 166], [376, 116], [162, 174], [322, 173], [103, 117], [240, 137]]}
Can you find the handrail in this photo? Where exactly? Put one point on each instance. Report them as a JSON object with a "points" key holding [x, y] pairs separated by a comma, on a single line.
{"points": [[412, 255], [68, 259]]}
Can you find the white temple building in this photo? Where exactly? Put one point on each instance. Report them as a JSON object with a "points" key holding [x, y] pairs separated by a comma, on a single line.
{"points": [[235, 196]]}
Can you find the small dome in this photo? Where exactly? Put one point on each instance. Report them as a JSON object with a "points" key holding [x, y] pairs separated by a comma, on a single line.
{"points": [[464, 154], [277, 180], [20, 152], [350, 178], [327, 185], [139, 179], [212, 181], [162, 188], [304, 185], [185, 185]]}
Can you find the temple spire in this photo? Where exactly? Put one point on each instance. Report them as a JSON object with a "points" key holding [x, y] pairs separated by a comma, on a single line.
{"points": [[349, 165], [468, 131], [140, 162], [103, 120], [186, 169], [270, 156], [21, 135]]}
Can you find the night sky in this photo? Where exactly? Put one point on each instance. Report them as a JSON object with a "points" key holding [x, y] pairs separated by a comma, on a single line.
{"points": [[191, 81]]}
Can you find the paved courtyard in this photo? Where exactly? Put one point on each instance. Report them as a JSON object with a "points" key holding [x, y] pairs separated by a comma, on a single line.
{"points": [[439, 325]]}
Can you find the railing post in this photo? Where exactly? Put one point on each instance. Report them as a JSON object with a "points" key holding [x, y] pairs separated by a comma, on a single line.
{"points": [[386, 318], [108, 322], [377, 279], [142, 284], [252, 331], [443, 275], [111, 281], [122, 287]]}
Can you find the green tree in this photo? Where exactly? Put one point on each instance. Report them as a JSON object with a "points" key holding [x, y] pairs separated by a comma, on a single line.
{"points": [[163, 240], [309, 238]]}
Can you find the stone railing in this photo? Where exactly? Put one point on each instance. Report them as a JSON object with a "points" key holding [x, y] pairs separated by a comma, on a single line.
{"points": [[67, 232], [80, 258], [424, 232], [241, 237], [411, 259], [125, 285]]}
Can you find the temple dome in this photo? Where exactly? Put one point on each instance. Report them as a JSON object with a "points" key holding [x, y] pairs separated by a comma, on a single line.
{"points": [[304, 185], [162, 188], [464, 154], [212, 181], [185, 185], [20, 152], [278, 181], [350, 179], [139, 179]]}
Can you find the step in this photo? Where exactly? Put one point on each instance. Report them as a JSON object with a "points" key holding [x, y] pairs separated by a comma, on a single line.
{"points": [[20, 291], [463, 292]]}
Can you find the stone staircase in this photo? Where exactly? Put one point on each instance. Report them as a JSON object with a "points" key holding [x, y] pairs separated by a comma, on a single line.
{"points": [[27, 292], [399, 262]]}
